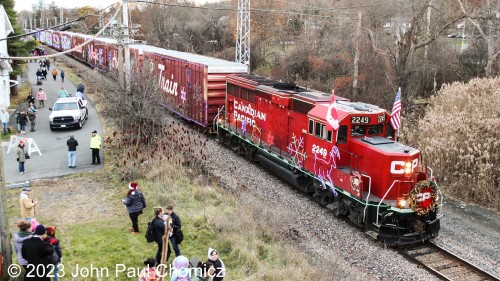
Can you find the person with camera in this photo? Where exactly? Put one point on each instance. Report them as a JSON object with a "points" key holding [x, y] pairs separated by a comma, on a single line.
{"points": [[28, 204]]}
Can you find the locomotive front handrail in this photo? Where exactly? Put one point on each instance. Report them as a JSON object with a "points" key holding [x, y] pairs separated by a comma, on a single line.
{"points": [[383, 198], [367, 196]]}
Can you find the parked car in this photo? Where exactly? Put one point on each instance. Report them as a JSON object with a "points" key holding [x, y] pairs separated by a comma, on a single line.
{"points": [[68, 113]]}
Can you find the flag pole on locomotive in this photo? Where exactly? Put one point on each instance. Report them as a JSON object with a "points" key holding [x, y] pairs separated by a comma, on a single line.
{"points": [[396, 114]]}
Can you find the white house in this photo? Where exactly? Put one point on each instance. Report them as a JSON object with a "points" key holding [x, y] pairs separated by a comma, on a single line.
{"points": [[5, 68]]}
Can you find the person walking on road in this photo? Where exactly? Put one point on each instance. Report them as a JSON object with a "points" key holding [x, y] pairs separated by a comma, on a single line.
{"points": [[95, 145], [4, 116], [80, 88], [32, 116], [30, 98], [21, 157], [62, 75], [72, 144], [54, 74], [23, 121], [41, 96], [62, 93]]}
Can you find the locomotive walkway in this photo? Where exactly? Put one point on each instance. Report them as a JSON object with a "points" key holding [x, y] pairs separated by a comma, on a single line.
{"points": [[53, 161]]}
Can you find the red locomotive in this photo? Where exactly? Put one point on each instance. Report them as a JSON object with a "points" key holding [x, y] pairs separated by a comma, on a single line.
{"points": [[356, 168]]}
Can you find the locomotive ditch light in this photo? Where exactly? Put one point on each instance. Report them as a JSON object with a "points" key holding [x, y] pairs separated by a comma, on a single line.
{"points": [[408, 168], [401, 203]]}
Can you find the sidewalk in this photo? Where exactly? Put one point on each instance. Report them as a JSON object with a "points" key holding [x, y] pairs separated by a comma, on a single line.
{"points": [[52, 145]]}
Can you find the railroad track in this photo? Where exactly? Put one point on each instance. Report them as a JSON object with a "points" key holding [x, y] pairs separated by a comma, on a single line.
{"points": [[444, 264]]}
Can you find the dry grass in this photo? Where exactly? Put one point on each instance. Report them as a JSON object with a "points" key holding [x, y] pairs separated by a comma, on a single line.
{"points": [[460, 139]]}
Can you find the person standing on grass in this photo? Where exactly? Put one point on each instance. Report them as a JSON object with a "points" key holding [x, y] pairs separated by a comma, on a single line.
{"points": [[56, 257], [159, 229], [62, 75], [37, 253], [54, 74], [72, 144], [135, 203], [27, 204], [176, 226], [149, 272], [4, 116], [95, 145], [19, 237], [220, 269], [41, 96]]}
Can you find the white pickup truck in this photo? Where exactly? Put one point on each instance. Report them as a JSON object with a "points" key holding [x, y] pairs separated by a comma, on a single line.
{"points": [[68, 112]]}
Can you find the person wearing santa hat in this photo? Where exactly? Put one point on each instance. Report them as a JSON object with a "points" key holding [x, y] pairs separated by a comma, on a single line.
{"points": [[135, 203]]}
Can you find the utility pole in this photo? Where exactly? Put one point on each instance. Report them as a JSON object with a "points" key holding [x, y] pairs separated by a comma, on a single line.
{"points": [[4, 227], [243, 33], [55, 21], [31, 23], [127, 46], [61, 19], [356, 59]]}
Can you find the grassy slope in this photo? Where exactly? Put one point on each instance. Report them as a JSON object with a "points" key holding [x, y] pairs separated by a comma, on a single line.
{"points": [[92, 223]]}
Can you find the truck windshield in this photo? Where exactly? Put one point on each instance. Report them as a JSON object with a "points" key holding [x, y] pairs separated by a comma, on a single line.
{"points": [[65, 106]]}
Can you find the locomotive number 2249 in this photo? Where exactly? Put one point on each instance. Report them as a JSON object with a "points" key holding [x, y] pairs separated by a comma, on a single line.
{"points": [[316, 149]]}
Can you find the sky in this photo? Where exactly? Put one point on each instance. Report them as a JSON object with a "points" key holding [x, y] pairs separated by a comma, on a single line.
{"points": [[27, 4]]}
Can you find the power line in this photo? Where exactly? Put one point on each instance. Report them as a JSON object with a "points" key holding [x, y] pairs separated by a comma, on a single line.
{"points": [[59, 25], [119, 4], [232, 8]]}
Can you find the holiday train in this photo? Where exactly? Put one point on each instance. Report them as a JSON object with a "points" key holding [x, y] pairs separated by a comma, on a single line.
{"points": [[358, 170]]}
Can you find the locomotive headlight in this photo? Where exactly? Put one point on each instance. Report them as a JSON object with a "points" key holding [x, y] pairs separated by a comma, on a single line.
{"points": [[401, 203], [407, 167]]}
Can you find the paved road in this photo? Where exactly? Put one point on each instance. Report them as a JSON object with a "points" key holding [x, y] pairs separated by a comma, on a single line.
{"points": [[52, 145]]}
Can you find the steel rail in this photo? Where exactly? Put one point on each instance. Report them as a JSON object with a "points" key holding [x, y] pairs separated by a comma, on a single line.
{"points": [[444, 264]]}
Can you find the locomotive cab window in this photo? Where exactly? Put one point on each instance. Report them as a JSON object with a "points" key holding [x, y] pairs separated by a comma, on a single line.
{"points": [[320, 131], [342, 134], [358, 131], [389, 133], [375, 129]]}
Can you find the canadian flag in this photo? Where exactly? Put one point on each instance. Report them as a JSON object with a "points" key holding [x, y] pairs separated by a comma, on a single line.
{"points": [[331, 115]]}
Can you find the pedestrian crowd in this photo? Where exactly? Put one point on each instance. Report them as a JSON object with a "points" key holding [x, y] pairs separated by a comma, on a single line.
{"points": [[27, 116], [166, 230], [37, 248]]}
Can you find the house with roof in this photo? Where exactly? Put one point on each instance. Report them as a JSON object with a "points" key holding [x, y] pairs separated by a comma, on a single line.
{"points": [[5, 67]]}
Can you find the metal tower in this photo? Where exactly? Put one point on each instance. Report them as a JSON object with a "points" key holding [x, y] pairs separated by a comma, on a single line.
{"points": [[243, 32]]}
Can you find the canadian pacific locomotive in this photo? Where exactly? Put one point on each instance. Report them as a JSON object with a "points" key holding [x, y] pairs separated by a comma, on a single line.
{"points": [[358, 169]]}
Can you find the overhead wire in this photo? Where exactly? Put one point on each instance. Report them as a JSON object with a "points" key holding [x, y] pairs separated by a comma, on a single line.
{"points": [[59, 25], [119, 5]]}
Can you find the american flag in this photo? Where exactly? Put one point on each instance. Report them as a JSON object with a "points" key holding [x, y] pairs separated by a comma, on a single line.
{"points": [[396, 111]]}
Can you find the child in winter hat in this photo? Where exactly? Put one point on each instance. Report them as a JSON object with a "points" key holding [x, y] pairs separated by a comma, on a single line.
{"points": [[220, 269]]}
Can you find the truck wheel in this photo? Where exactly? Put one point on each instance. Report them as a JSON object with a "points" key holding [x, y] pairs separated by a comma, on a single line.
{"points": [[52, 129], [80, 124]]}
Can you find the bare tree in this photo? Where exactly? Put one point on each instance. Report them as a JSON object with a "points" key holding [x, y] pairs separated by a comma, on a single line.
{"points": [[486, 19]]}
